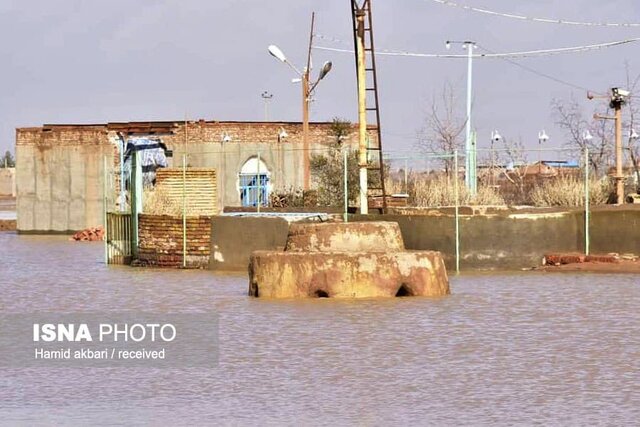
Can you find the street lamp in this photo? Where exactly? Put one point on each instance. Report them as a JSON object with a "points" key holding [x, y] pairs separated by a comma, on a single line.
{"points": [[495, 138], [470, 172], [586, 136], [266, 96], [633, 135], [542, 137], [307, 90]]}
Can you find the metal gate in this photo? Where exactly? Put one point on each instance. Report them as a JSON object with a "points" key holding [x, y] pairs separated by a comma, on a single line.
{"points": [[119, 238]]}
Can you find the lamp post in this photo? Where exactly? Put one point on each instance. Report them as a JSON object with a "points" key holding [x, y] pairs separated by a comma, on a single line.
{"points": [[307, 90], [495, 137], [470, 173], [266, 96], [542, 137]]}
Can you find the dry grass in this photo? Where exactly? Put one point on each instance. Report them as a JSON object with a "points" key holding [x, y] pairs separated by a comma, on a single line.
{"points": [[569, 191], [424, 192]]}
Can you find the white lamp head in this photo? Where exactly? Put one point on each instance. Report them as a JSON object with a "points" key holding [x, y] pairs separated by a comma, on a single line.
{"points": [[633, 135], [587, 135], [326, 67], [495, 136], [542, 136], [277, 53]]}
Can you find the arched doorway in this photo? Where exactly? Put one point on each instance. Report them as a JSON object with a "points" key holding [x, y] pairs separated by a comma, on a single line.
{"points": [[254, 183]]}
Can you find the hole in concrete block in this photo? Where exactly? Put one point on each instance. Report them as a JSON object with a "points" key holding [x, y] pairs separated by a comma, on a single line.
{"points": [[321, 294], [253, 290], [404, 291]]}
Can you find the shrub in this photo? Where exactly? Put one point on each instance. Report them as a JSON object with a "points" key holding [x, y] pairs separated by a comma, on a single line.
{"points": [[293, 198], [440, 191], [569, 191]]}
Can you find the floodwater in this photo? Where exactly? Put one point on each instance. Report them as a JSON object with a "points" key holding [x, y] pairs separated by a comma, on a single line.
{"points": [[503, 349]]}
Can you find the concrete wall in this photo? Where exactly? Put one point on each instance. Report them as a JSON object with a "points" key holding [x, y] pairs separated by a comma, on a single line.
{"points": [[8, 182], [233, 239], [519, 240], [59, 179], [503, 241]]}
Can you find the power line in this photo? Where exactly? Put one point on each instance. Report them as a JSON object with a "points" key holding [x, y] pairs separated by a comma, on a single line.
{"points": [[520, 54], [534, 19], [507, 57], [541, 74]]}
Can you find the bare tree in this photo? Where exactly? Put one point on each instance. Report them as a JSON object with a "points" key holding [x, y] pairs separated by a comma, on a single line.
{"points": [[632, 113], [443, 128], [514, 166], [568, 116]]}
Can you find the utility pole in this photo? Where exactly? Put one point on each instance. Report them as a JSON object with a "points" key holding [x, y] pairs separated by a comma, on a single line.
{"points": [[305, 126], [362, 112], [470, 173], [618, 99], [617, 106], [306, 94]]}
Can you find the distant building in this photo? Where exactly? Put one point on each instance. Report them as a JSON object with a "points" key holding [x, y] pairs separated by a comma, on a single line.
{"points": [[60, 168], [8, 182]]}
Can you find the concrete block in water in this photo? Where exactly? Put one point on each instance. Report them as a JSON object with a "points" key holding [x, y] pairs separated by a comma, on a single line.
{"points": [[355, 260], [345, 237]]}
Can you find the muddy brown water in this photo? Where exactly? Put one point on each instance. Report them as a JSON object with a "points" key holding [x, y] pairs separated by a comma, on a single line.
{"points": [[503, 349]]}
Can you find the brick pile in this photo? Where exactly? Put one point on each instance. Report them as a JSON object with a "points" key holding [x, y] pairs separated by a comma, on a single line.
{"points": [[562, 259], [93, 234]]}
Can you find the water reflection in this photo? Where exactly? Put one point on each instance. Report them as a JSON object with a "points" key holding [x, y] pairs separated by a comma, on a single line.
{"points": [[505, 349]]}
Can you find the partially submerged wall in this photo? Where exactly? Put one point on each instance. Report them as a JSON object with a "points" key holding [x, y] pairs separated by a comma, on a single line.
{"points": [[514, 240], [160, 241], [59, 178], [506, 241], [233, 239]]}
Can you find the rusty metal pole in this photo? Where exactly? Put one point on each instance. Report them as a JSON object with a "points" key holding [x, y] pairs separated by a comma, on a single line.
{"points": [[305, 129], [306, 93], [619, 176], [362, 112]]}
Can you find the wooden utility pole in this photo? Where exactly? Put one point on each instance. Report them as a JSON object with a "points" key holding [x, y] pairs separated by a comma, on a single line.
{"points": [[619, 176], [617, 100]]}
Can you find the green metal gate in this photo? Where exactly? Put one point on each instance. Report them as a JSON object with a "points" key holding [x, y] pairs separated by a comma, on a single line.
{"points": [[119, 238]]}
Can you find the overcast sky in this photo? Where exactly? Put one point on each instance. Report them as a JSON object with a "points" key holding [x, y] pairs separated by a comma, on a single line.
{"points": [[74, 61]]}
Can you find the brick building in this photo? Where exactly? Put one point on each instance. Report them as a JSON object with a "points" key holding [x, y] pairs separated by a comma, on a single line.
{"points": [[60, 168]]}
